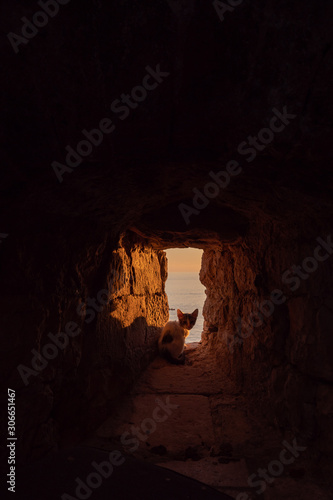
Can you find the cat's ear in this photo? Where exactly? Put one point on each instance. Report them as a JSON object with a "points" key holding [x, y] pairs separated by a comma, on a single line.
{"points": [[195, 313], [179, 314]]}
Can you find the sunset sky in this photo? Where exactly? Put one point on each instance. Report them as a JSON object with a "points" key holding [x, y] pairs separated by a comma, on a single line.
{"points": [[184, 260]]}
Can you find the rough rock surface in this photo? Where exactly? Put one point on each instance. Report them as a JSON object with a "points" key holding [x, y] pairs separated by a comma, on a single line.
{"points": [[191, 419], [288, 355], [117, 299]]}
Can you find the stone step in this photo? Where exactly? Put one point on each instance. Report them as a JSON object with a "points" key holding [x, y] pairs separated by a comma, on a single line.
{"points": [[189, 419], [174, 422], [197, 376]]}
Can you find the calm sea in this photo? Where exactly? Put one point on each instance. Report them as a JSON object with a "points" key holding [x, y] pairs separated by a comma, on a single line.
{"points": [[186, 292]]}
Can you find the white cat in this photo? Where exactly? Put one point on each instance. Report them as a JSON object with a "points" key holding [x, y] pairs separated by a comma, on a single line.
{"points": [[172, 340]]}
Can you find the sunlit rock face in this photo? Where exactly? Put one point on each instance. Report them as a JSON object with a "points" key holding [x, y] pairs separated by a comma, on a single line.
{"points": [[270, 323], [123, 339], [114, 302]]}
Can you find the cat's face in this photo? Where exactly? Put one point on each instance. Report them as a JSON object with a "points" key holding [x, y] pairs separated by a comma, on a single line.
{"points": [[187, 321]]}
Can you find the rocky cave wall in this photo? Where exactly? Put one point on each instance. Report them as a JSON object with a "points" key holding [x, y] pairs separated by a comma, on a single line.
{"points": [[285, 361], [224, 79], [111, 295]]}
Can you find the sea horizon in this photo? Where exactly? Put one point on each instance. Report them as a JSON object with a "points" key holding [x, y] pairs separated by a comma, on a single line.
{"points": [[187, 293]]}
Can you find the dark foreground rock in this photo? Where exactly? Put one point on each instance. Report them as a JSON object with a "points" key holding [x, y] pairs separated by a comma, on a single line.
{"points": [[55, 477]]}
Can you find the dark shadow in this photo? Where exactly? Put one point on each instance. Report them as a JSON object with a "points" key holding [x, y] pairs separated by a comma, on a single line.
{"points": [[60, 473]]}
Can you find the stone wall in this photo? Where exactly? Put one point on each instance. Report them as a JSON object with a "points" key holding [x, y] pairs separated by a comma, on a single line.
{"points": [[112, 297], [286, 359]]}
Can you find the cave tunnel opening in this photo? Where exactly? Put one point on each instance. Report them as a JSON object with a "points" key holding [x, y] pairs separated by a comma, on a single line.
{"points": [[245, 382], [117, 344], [184, 288]]}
